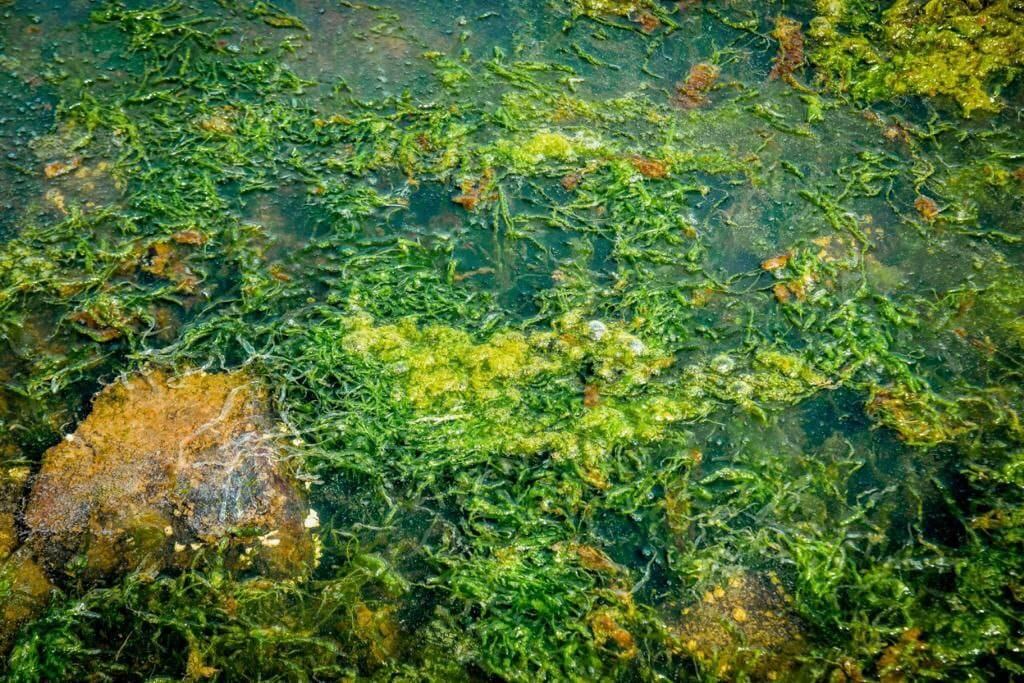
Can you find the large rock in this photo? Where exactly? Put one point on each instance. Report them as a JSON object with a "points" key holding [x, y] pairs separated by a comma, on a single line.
{"points": [[162, 468]]}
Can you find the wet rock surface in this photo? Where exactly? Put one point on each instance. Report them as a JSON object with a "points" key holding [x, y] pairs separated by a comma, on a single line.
{"points": [[162, 467]]}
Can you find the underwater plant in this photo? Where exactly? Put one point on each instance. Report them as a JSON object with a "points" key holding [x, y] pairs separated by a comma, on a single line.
{"points": [[599, 340]]}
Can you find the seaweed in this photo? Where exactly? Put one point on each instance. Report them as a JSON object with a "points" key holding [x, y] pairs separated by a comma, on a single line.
{"points": [[587, 379]]}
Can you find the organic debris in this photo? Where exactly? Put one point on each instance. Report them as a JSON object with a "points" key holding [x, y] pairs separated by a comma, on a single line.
{"points": [[788, 32], [744, 626], [693, 92]]}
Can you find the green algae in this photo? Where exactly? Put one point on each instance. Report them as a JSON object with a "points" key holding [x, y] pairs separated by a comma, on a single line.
{"points": [[964, 51], [557, 358]]}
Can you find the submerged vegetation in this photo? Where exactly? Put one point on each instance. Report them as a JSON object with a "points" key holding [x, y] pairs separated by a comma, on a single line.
{"points": [[967, 51], [610, 340]]}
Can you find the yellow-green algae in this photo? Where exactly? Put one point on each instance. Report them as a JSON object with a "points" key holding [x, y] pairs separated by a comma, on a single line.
{"points": [[599, 7], [954, 48]]}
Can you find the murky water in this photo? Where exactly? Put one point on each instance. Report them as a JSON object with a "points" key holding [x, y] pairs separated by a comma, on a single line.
{"points": [[605, 354]]}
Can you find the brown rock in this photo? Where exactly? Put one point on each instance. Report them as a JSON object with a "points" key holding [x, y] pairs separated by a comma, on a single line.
{"points": [[163, 466], [12, 486], [24, 590], [744, 626]]}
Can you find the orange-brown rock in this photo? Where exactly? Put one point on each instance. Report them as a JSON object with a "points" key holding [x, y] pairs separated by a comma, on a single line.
{"points": [[163, 467]]}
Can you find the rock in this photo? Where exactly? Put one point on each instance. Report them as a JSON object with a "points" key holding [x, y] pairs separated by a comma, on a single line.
{"points": [[24, 590], [163, 467], [743, 628], [597, 330], [12, 486]]}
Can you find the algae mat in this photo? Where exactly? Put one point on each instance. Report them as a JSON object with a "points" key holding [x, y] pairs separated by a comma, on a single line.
{"points": [[612, 340]]}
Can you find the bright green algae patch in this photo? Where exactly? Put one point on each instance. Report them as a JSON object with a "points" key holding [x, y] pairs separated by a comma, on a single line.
{"points": [[586, 383], [966, 51]]}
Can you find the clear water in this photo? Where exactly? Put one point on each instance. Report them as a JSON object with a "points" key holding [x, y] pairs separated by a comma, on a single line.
{"points": [[858, 488]]}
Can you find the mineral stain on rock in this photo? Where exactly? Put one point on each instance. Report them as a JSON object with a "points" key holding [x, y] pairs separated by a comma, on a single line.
{"points": [[167, 463]]}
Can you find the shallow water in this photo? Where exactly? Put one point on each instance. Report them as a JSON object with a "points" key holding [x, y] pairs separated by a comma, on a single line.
{"points": [[586, 384]]}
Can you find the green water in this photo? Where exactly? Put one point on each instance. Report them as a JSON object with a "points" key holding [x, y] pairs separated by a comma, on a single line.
{"points": [[587, 384]]}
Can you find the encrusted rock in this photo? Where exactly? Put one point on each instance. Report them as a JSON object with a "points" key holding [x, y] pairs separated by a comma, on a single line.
{"points": [[743, 628], [163, 467], [24, 590]]}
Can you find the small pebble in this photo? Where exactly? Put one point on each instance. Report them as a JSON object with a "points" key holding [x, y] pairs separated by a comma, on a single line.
{"points": [[597, 329]]}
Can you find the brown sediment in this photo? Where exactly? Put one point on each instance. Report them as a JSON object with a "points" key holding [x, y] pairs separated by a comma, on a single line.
{"points": [[899, 662], [486, 270], [190, 237], [25, 593], [776, 262], [105, 327], [378, 629], [791, 48], [693, 92], [222, 122], [571, 181], [593, 559], [604, 623], [476, 191], [164, 260], [648, 22], [896, 132], [781, 292], [56, 169], [12, 485], [927, 207]]}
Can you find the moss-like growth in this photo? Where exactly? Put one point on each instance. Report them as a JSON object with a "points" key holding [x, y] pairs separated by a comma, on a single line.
{"points": [[961, 50], [613, 7]]}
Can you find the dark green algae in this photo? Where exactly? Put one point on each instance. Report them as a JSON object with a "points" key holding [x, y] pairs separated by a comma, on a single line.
{"points": [[566, 366]]}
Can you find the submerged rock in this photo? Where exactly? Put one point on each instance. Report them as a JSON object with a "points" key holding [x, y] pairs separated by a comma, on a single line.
{"points": [[12, 485], [161, 467], [743, 628], [24, 590]]}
